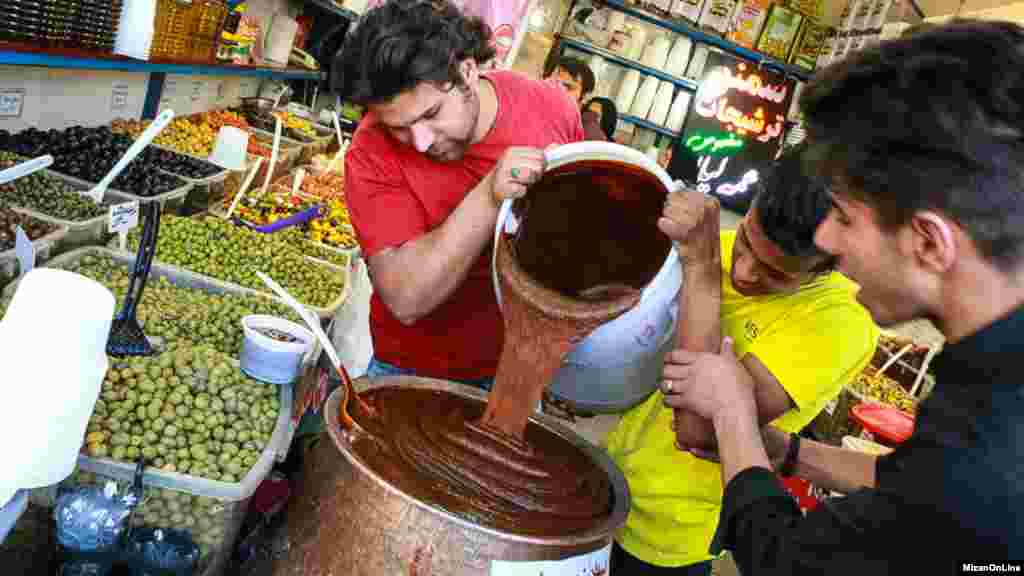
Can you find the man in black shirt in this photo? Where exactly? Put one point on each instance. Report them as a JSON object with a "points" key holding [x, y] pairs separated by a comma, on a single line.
{"points": [[922, 141]]}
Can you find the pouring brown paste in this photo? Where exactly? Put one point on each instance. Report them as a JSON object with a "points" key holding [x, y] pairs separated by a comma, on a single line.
{"points": [[588, 243]]}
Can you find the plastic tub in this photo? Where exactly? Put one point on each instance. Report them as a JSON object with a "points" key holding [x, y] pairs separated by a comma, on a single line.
{"points": [[79, 232], [44, 248], [170, 201], [223, 505], [270, 360], [204, 190]]}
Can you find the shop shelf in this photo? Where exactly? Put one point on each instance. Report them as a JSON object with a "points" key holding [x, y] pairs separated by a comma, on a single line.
{"points": [[710, 40], [685, 84], [84, 60], [648, 125]]}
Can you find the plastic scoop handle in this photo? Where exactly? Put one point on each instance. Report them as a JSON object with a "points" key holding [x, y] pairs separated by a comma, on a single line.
{"points": [[245, 186], [312, 323], [147, 136], [25, 168]]}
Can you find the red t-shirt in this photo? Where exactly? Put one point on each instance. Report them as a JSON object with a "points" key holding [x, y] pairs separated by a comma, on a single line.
{"points": [[395, 194]]}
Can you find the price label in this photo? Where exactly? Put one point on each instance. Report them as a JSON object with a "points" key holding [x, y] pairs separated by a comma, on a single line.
{"points": [[119, 97], [197, 90], [245, 88], [123, 217], [24, 250], [220, 91], [596, 562], [12, 101], [169, 92]]}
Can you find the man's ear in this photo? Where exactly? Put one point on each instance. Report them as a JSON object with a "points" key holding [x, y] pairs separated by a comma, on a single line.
{"points": [[934, 241], [470, 71]]}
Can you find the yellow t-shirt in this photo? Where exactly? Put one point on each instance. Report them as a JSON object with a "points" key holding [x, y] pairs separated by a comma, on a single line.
{"points": [[813, 341]]}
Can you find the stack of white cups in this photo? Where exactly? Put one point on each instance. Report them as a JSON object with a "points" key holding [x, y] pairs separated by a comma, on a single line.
{"points": [[53, 343]]}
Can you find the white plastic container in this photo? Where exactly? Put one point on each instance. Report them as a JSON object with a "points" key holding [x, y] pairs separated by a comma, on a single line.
{"points": [[679, 57], [645, 97], [656, 52], [230, 148], [677, 114], [627, 91], [270, 360], [662, 103]]}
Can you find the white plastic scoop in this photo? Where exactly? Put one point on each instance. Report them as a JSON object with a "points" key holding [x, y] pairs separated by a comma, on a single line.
{"points": [[245, 186], [273, 154], [25, 168], [134, 150]]}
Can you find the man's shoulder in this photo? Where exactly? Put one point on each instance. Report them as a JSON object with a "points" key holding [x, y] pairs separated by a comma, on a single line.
{"points": [[541, 96]]}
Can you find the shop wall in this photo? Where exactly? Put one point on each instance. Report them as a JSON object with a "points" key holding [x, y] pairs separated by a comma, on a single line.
{"points": [[52, 98]]}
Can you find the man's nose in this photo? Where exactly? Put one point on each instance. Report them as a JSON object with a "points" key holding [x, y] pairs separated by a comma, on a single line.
{"points": [[422, 137]]}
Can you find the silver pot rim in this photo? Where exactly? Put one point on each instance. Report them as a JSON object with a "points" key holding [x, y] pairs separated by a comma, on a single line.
{"points": [[605, 529]]}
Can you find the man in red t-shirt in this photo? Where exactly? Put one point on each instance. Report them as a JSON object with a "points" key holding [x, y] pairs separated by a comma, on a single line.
{"points": [[441, 147]]}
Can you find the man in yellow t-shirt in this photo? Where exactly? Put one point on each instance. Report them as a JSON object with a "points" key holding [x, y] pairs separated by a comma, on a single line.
{"points": [[796, 327]]}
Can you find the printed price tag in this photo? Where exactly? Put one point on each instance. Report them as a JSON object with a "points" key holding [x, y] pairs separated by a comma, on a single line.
{"points": [[124, 217], [24, 250], [119, 97], [596, 563], [197, 90], [220, 91], [12, 101], [169, 92]]}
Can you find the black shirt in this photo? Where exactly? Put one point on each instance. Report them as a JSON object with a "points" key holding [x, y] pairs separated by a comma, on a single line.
{"points": [[952, 494]]}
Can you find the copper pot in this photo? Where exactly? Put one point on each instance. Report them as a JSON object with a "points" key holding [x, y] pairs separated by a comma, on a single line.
{"points": [[346, 520]]}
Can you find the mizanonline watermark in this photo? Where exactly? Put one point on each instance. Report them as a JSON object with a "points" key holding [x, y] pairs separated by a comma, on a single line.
{"points": [[990, 568]]}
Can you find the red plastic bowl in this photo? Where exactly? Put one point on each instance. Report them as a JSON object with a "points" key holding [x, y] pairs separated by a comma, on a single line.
{"points": [[887, 423]]}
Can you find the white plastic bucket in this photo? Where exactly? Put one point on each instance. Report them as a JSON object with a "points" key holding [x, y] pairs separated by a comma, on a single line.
{"points": [[270, 360], [624, 355]]}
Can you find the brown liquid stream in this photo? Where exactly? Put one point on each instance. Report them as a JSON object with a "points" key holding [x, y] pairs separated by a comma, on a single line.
{"points": [[587, 246]]}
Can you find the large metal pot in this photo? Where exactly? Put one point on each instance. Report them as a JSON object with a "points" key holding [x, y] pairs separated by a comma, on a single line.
{"points": [[346, 520]]}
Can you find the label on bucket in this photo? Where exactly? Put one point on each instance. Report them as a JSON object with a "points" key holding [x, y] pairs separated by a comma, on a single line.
{"points": [[596, 563]]}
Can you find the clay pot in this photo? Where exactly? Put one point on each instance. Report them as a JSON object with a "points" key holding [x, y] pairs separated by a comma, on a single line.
{"points": [[345, 519]]}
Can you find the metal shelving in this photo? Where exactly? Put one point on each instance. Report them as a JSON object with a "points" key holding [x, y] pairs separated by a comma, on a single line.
{"points": [[82, 61], [648, 125], [683, 83], [704, 38]]}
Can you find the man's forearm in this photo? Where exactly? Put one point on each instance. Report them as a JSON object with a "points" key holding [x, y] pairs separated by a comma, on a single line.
{"points": [[827, 467], [699, 330], [740, 445], [700, 304], [422, 274]]}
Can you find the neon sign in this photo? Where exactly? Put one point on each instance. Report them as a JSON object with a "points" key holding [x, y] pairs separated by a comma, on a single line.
{"points": [[713, 143], [740, 187], [721, 80]]}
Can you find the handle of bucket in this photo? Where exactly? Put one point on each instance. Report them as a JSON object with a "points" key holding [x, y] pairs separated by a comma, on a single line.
{"points": [[503, 214]]}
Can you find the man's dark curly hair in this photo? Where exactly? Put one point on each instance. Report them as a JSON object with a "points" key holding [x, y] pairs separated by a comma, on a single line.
{"points": [[791, 204], [931, 121], [401, 43]]}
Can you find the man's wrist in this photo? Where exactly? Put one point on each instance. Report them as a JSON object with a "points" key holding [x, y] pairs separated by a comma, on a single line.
{"points": [[703, 269]]}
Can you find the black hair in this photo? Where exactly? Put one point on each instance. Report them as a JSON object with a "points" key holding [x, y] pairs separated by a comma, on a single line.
{"points": [[576, 68], [790, 204], [609, 115], [931, 121], [401, 43]]}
